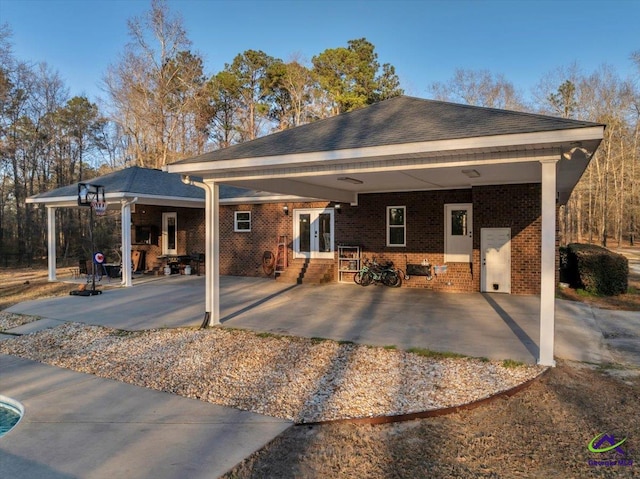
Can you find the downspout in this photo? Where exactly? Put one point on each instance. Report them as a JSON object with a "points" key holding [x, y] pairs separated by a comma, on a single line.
{"points": [[125, 237], [212, 251]]}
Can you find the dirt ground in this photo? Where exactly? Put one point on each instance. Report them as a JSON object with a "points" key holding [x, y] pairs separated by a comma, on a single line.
{"points": [[543, 431]]}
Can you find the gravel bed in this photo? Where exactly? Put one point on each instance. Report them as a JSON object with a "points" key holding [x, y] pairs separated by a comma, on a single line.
{"points": [[11, 320], [303, 380]]}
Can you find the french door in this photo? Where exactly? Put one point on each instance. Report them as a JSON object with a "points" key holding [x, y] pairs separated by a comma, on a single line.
{"points": [[313, 235]]}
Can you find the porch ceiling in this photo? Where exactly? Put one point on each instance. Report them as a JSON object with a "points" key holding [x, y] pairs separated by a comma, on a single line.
{"points": [[411, 171]]}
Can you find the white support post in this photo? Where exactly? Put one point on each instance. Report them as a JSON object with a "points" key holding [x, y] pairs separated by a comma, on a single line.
{"points": [[125, 217], [548, 264], [51, 242], [212, 252]]}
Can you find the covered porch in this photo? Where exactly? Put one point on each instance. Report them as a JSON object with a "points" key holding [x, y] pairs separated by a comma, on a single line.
{"points": [[402, 145]]}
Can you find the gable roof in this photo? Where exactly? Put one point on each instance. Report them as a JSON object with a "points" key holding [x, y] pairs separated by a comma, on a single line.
{"points": [[395, 121]]}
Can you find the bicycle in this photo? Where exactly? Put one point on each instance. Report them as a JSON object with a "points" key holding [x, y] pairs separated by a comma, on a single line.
{"points": [[374, 272]]}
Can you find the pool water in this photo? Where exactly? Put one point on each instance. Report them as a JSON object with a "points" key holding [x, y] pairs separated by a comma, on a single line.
{"points": [[10, 414]]}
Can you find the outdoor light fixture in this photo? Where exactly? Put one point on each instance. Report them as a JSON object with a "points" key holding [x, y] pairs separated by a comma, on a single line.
{"points": [[186, 179], [285, 209], [577, 153], [350, 180], [471, 173], [338, 208]]}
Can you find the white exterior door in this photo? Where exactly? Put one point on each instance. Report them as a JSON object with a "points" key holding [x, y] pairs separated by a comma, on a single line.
{"points": [[458, 233], [495, 257], [170, 233], [313, 235]]}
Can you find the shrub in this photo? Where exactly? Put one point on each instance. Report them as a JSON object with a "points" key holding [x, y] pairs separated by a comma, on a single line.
{"points": [[596, 269]]}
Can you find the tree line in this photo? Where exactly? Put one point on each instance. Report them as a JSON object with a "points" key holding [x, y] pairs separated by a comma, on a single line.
{"points": [[162, 106]]}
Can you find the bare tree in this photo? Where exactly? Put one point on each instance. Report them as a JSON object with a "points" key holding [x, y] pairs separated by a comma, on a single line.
{"points": [[479, 88], [157, 90]]}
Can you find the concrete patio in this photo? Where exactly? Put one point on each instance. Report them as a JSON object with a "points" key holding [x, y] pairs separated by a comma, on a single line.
{"points": [[495, 326]]}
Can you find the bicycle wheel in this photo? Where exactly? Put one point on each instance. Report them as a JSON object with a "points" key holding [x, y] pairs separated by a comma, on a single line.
{"points": [[392, 279], [366, 278]]}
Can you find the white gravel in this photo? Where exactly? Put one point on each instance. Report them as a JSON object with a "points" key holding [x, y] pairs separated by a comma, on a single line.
{"points": [[303, 380]]}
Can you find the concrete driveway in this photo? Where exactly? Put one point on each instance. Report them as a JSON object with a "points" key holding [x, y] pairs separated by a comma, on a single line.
{"points": [[495, 326]]}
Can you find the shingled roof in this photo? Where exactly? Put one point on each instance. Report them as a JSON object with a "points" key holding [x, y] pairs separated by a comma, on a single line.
{"points": [[395, 121], [146, 182]]}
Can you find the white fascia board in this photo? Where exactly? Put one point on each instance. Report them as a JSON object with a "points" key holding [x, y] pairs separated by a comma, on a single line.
{"points": [[389, 165], [439, 146], [254, 200], [54, 201]]}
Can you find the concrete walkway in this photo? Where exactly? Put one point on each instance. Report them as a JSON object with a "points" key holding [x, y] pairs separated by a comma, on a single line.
{"points": [[81, 426]]}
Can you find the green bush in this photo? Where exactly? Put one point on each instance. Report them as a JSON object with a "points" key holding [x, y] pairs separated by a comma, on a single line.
{"points": [[596, 269]]}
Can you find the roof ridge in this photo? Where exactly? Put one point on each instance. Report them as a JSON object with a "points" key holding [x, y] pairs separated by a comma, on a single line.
{"points": [[134, 173]]}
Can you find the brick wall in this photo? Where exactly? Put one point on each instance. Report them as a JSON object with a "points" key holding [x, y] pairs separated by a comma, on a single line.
{"points": [[241, 252], [365, 225], [517, 207], [513, 206]]}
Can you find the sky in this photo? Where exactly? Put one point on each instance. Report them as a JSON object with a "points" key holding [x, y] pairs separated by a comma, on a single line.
{"points": [[425, 40]]}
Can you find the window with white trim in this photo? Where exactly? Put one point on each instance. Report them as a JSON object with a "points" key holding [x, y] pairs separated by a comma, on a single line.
{"points": [[396, 226], [242, 221]]}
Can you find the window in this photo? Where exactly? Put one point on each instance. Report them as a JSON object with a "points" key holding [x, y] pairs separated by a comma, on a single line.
{"points": [[396, 226], [242, 221]]}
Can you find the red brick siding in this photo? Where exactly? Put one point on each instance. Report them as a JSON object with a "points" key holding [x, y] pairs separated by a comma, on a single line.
{"points": [[513, 206], [517, 207], [241, 253], [365, 225]]}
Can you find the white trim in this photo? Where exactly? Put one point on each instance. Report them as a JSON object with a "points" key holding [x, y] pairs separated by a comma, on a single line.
{"points": [[483, 142], [236, 221], [174, 201], [404, 227], [314, 252], [422, 162]]}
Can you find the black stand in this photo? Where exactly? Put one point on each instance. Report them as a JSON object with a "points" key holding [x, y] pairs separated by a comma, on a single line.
{"points": [[93, 291]]}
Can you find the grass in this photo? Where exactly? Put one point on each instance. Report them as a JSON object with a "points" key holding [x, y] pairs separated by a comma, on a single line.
{"points": [[428, 353], [510, 364]]}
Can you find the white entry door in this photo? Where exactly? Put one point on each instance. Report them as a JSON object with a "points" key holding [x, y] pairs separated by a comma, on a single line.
{"points": [[495, 256], [458, 233], [170, 233], [313, 233]]}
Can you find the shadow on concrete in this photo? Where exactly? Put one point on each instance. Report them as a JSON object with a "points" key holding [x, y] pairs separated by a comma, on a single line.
{"points": [[257, 303], [520, 333]]}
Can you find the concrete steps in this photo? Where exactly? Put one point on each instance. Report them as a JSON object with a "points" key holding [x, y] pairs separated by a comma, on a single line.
{"points": [[315, 271]]}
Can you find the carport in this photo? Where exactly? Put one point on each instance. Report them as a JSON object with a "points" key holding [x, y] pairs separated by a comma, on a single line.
{"points": [[406, 144]]}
